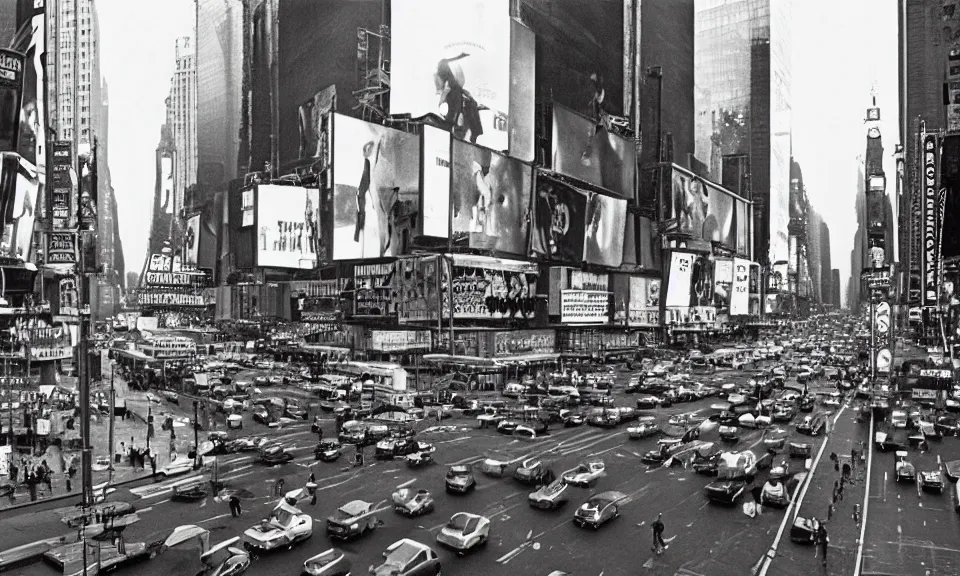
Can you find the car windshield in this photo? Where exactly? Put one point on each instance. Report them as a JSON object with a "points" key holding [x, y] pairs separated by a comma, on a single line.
{"points": [[463, 523], [401, 557], [457, 471], [281, 516]]}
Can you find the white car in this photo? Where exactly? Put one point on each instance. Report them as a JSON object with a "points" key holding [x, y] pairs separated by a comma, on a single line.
{"points": [[465, 532], [286, 526], [181, 465], [586, 474], [408, 557]]}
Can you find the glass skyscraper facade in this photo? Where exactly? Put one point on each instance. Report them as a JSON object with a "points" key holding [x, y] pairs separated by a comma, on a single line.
{"points": [[743, 112]]}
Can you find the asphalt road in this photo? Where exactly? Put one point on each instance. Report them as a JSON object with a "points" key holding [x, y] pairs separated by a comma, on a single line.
{"points": [[710, 539]]}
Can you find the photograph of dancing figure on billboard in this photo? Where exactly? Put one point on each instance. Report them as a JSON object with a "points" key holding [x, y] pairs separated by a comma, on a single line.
{"points": [[586, 150], [606, 219], [376, 176], [491, 199], [558, 221]]}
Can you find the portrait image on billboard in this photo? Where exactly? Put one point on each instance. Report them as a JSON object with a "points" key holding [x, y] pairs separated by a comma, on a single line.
{"points": [[490, 194], [32, 135], [314, 123], [376, 176], [587, 151], [723, 283], [559, 215], [288, 226], [740, 288], [603, 238], [191, 241], [20, 186], [460, 73], [12, 66], [435, 182], [702, 210], [644, 301], [166, 185], [702, 283]]}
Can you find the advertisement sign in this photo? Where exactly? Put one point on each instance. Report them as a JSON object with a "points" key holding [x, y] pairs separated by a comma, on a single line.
{"points": [[559, 216], [69, 303], [523, 72], [19, 191], [491, 199], [931, 152], [950, 190], [62, 248], [644, 304], [435, 181], [460, 73], [417, 282], [32, 134], [740, 288], [12, 66], [881, 319], [161, 298], [248, 207], [584, 150], [376, 176], [681, 273], [723, 284], [194, 279], [59, 204], [743, 228], [167, 199], [170, 347], [288, 225], [703, 211], [317, 309], [603, 240], [191, 242], [777, 279], [702, 281], [314, 125], [585, 306], [399, 340], [373, 293], [490, 288], [516, 342], [792, 259]]}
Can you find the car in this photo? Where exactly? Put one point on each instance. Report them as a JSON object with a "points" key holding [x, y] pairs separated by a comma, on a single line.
{"points": [[422, 455], [352, 520], [804, 530], [812, 425], [899, 419], [947, 426], [903, 470], [327, 450], [181, 465], [573, 420], [507, 426], [599, 509], [666, 447], [807, 403], [784, 412], [286, 526], [524, 432], [294, 411], [605, 418], [725, 491], [244, 444], [645, 427], [273, 454], [261, 415], [586, 474], [647, 402], [333, 562], [533, 471], [932, 481], [387, 448], [729, 433], [550, 496], [411, 503], [464, 532], [408, 557], [774, 494], [460, 480]]}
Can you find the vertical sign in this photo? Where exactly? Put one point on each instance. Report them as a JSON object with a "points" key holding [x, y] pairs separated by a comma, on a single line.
{"points": [[881, 325], [61, 187], [11, 95], [931, 152]]}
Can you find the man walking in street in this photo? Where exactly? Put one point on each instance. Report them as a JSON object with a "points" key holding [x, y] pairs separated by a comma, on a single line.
{"points": [[234, 506], [822, 540], [658, 544]]}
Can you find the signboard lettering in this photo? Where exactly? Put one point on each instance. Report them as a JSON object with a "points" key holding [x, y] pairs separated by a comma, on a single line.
{"points": [[931, 147], [170, 299]]}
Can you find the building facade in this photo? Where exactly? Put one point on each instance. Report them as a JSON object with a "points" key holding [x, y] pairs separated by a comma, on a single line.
{"points": [[183, 117]]}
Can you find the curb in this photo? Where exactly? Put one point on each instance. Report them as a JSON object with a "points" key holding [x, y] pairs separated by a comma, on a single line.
{"points": [[67, 496]]}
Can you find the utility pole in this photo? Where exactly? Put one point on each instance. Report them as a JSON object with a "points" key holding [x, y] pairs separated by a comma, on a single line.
{"points": [[196, 434], [113, 402]]}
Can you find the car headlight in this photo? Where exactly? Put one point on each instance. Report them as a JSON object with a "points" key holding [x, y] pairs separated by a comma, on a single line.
{"points": [[354, 526]]}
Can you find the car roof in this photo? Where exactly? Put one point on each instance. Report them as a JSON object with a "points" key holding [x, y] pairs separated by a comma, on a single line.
{"points": [[356, 507], [406, 549]]}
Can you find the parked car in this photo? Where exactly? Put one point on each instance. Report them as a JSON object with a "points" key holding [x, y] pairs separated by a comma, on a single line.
{"points": [[181, 465], [551, 496], [273, 454], [947, 425], [286, 526], [774, 494], [412, 503], [804, 530], [464, 532], [574, 419], [460, 480], [599, 509], [408, 557], [327, 450], [647, 402], [352, 520]]}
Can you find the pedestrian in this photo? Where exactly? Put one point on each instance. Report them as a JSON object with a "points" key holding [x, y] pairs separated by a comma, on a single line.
{"points": [[234, 506], [856, 514], [853, 457], [757, 493], [823, 540], [830, 510], [14, 471], [846, 471], [119, 455], [153, 462], [835, 460], [278, 487], [48, 480], [32, 485], [658, 544], [69, 483], [840, 491], [312, 478]]}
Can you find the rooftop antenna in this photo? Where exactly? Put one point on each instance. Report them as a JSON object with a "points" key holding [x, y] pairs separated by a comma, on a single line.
{"points": [[873, 112]]}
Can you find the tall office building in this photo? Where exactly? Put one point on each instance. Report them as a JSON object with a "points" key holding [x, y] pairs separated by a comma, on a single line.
{"points": [[835, 289], [182, 115], [743, 111], [814, 253], [133, 280], [859, 243], [826, 267], [67, 113]]}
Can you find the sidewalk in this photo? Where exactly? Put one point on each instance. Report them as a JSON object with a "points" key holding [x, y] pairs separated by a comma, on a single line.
{"points": [[843, 531]]}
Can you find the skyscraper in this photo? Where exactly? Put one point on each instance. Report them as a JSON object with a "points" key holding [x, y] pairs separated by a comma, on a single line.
{"points": [[835, 289], [182, 115], [72, 68], [826, 267], [743, 110]]}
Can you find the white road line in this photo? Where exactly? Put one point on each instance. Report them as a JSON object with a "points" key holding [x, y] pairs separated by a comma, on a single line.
{"points": [[461, 439], [407, 483], [212, 519]]}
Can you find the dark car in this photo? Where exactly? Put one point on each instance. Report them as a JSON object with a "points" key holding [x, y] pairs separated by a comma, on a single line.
{"points": [[807, 403], [533, 472], [932, 481], [261, 415], [947, 425], [599, 509], [328, 450], [725, 491], [572, 420], [812, 425], [507, 426], [273, 454]]}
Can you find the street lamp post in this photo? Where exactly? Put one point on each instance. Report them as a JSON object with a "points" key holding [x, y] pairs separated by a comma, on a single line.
{"points": [[196, 434], [113, 403]]}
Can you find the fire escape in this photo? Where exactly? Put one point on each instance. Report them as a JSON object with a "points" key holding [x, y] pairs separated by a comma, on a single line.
{"points": [[373, 73]]}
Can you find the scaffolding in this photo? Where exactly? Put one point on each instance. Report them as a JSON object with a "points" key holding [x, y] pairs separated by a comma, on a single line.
{"points": [[373, 73]]}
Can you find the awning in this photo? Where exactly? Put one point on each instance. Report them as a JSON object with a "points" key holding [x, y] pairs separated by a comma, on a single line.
{"points": [[525, 358], [462, 362]]}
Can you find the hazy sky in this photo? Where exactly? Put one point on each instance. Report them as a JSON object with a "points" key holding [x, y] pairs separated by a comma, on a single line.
{"points": [[836, 62], [137, 60]]}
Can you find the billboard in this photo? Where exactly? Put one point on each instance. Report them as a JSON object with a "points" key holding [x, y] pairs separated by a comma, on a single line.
{"points": [[191, 242], [417, 282], [702, 282], [644, 308], [950, 186], [12, 66], [559, 213], [490, 196], [930, 156], [376, 178], [722, 284], [19, 189], [704, 211], [740, 288], [516, 342], [881, 322], [585, 150], [681, 273], [61, 185], [523, 66], [166, 185], [32, 135], [490, 288], [62, 248], [460, 73], [314, 125], [288, 226], [603, 239], [793, 255], [435, 181]]}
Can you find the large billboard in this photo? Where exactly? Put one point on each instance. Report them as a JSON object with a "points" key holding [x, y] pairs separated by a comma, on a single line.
{"points": [[490, 196], [930, 179], [19, 189], [167, 199], [559, 214], [11, 96], [644, 305], [587, 151], [376, 177], [32, 135], [191, 242], [288, 226], [603, 239], [460, 73], [723, 271], [704, 211], [435, 181], [489, 288], [314, 125], [678, 285], [417, 282], [740, 288], [950, 185], [523, 66]]}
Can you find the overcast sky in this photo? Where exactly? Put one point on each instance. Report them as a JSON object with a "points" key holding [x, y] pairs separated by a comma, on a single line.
{"points": [[836, 62]]}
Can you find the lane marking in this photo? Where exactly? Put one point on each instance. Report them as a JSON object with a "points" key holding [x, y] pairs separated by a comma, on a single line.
{"points": [[212, 519], [407, 483]]}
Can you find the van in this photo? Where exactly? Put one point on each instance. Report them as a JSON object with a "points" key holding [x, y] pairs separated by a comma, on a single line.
{"points": [[513, 390]]}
